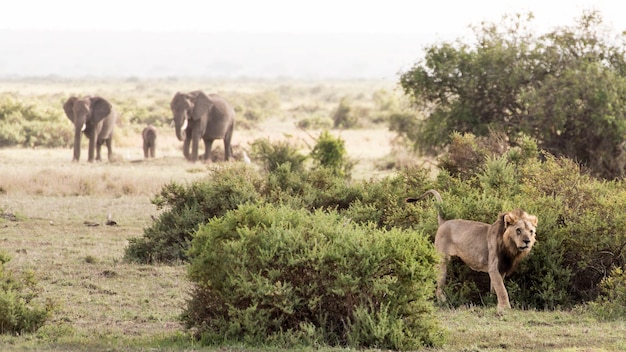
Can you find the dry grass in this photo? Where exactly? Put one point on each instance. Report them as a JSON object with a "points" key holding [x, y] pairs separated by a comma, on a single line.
{"points": [[79, 268]]}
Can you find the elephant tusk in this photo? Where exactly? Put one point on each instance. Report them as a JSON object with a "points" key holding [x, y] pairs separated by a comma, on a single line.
{"points": [[83, 128], [184, 127]]}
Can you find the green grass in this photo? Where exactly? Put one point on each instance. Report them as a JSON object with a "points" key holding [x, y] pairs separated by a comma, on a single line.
{"points": [[482, 329]]}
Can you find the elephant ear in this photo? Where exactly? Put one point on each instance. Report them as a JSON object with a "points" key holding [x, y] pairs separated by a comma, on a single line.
{"points": [[100, 109], [202, 106], [68, 107]]}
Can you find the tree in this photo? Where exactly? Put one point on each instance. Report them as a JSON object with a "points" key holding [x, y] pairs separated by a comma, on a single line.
{"points": [[564, 88], [580, 109]]}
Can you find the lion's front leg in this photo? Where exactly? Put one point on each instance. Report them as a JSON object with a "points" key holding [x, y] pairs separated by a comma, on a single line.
{"points": [[491, 289], [497, 283]]}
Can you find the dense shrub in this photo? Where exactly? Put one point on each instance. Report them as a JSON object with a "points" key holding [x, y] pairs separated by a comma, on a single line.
{"points": [[272, 155], [18, 311], [611, 304], [330, 152], [280, 276], [186, 207], [189, 206]]}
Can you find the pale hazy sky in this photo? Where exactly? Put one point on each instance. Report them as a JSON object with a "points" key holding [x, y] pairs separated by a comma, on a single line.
{"points": [[252, 38], [436, 17]]}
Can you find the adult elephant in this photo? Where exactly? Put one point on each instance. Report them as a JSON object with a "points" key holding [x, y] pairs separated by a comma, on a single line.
{"points": [[202, 116], [95, 117], [149, 135]]}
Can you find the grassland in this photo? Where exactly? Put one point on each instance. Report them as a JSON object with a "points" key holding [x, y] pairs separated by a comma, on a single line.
{"points": [[52, 222]]}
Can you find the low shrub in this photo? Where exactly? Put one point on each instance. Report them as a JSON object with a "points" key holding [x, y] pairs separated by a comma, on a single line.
{"points": [[274, 275], [272, 155], [611, 303], [330, 152], [187, 207], [18, 311]]}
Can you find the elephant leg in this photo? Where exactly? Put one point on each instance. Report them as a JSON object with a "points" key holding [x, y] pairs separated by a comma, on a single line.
{"points": [[92, 147], [208, 145], [194, 148], [145, 150], [227, 148], [98, 148], [109, 143]]}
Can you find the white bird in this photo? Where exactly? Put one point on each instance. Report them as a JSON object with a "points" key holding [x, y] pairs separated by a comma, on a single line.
{"points": [[246, 159], [110, 221]]}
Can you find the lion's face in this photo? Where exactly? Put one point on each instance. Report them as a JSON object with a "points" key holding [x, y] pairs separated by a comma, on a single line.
{"points": [[520, 230]]}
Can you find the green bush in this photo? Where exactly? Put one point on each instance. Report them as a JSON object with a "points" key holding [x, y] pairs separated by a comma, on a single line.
{"points": [[272, 155], [330, 152], [167, 240], [275, 275], [18, 311], [611, 303]]}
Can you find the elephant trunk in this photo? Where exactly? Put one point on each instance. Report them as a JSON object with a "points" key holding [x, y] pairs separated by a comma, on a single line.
{"points": [[77, 135], [181, 130], [180, 134]]}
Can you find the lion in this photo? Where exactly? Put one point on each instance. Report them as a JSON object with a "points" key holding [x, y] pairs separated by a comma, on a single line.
{"points": [[496, 249]]}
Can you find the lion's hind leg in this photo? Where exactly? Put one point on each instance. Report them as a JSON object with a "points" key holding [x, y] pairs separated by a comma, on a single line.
{"points": [[441, 280]]}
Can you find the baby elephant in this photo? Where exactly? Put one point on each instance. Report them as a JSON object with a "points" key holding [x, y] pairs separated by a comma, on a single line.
{"points": [[149, 135]]}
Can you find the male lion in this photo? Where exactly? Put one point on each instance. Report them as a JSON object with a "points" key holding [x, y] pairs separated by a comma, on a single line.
{"points": [[496, 249]]}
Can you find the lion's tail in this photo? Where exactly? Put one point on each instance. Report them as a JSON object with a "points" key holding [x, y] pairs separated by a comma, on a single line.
{"points": [[437, 196]]}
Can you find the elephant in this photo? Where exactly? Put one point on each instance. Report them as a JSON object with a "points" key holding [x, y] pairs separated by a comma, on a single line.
{"points": [[95, 117], [198, 115], [149, 135]]}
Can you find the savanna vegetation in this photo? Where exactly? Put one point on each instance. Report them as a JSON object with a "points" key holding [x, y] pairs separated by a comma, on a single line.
{"points": [[311, 246]]}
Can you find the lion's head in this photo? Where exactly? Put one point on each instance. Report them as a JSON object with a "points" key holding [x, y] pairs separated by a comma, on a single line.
{"points": [[520, 231]]}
